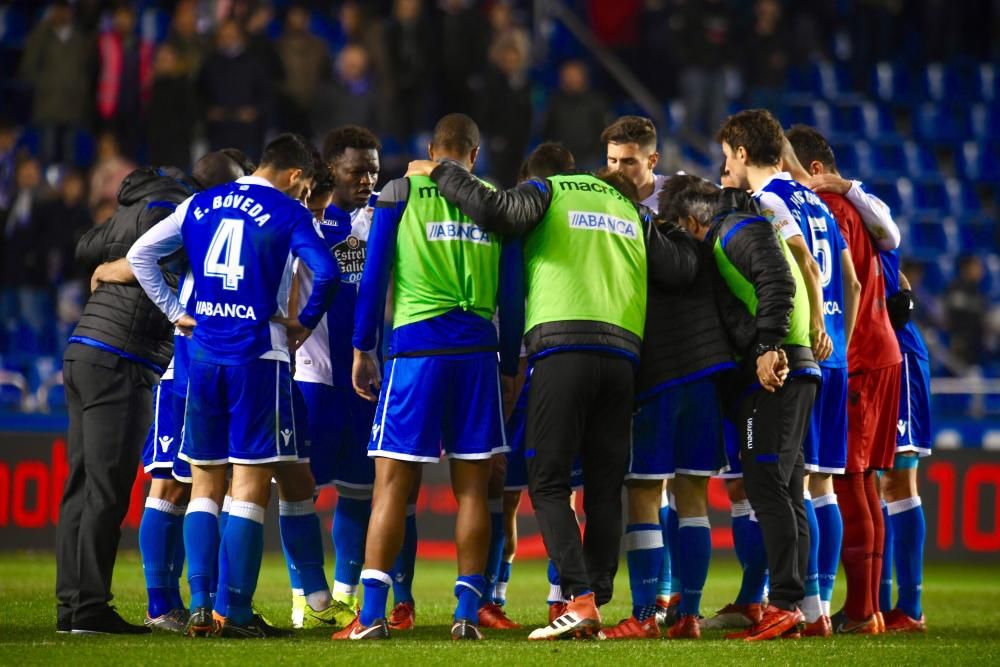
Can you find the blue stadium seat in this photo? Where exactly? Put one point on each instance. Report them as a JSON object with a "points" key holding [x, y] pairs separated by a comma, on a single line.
{"points": [[896, 193], [943, 124], [977, 233], [986, 82], [986, 121], [991, 279], [938, 274], [852, 159], [920, 160], [847, 122], [888, 159], [831, 80], [892, 83], [948, 82], [930, 236], [931, 196], [962, 197], [52, 394], [814, 114], [13, 391], [978, 162]]}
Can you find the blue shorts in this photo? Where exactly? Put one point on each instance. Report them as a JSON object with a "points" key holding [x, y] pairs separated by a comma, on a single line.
{"points": [[517, 464], [678, 431], [448, 404], [825, 446], [338, 424], [913, 430], [163, 442], [731, 443], [239, 414]]}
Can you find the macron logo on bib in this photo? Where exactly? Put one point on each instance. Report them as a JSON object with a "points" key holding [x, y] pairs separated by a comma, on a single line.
{"points": [[603, 222], [457, 231]]}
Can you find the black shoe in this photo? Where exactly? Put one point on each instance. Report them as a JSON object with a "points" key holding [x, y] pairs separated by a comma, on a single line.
{"points": [[201, 623], [64, 626], [257, 628], [107, 622], [465, 630]]}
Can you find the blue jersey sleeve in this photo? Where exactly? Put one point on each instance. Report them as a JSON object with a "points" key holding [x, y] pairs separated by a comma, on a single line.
{"points": [[309, 247], [510, 300], [370, 309]]}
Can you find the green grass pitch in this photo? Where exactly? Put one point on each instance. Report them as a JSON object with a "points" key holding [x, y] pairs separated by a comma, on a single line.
{"points": [[961, 603]]}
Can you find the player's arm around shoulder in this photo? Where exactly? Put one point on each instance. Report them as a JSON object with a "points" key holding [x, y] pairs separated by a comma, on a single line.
{"points": [[144, 257], [671, 255], [511, 212]]}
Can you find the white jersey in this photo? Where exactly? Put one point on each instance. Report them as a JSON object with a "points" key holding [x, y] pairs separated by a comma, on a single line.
{"points": [[312, 360], [653, 200]]}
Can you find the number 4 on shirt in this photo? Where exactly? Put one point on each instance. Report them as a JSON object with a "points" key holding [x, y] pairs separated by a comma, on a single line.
{"points": [[223, 257]]}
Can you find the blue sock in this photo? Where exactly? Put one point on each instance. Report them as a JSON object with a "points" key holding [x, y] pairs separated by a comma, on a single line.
{"points": [[909, 530], [158, 537], [201, 543], [376, 595], [694, 541], [469, 589], [670, 546], [811, 605], [221, 594], [177, 560], [885, 577], [555, 587], [503, 578], [644, 555], [755, 566], [350, 528], [402, 580], [831, 534], [495, 554], [243, 544], [302, 540], [663, 585]]}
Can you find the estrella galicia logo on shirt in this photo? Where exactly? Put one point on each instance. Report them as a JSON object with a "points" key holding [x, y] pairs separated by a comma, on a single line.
{"points": [[350, 256], [603, 222], [457, 231]]}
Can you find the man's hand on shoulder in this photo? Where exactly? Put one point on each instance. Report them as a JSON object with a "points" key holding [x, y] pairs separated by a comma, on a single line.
{"points": [[829, 183], [421, 168]]}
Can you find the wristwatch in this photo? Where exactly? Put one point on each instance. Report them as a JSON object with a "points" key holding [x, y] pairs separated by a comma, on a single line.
{"points": [[760, 349]]}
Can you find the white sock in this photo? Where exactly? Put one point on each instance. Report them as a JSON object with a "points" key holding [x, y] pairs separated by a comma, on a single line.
{"points": [[811, 606], [319, 600]]}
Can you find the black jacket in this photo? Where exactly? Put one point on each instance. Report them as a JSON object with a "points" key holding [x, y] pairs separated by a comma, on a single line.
{"points": [[752, 247], [671, 257], [684, 337], [122, 316]]}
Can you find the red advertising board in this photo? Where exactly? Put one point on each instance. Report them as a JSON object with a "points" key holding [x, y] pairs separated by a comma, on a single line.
{"points": [[960, 491]]}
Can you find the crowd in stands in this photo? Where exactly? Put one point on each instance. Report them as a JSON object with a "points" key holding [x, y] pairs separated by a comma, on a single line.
{"points": [[907, 92]]}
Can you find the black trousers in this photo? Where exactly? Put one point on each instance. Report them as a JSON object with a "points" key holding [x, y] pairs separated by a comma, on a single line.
{"points": [[580, 404], [110, 409], [772, 428]]}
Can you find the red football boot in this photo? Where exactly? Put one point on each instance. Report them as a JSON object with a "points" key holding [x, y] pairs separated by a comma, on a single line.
{"points": [[686, 627], [633, 628], [897, 621], [403, 616], [492, 615]]}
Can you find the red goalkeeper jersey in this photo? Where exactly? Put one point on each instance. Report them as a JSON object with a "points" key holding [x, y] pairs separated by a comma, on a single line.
{"points": [[873, 343]]}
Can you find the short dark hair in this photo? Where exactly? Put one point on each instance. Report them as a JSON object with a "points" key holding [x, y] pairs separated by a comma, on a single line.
{"points": [[811, 146], [548, 159], [240, 158], [685, 195], [621, 183], [339, 139], [456, 133], [758, 132], [290, 151], [216, 168], [631, 130], [322, 180]]}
